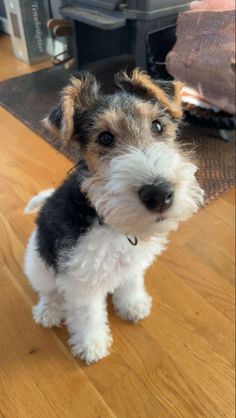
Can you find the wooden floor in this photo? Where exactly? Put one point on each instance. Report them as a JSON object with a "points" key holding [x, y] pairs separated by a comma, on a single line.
{"points": [[179, 362]]}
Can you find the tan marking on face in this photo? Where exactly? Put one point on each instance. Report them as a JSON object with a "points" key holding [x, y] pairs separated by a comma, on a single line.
{"points": [[144, 114], [133, 129], [91, 154], [93, 151], [111, 120], [115, 122]]}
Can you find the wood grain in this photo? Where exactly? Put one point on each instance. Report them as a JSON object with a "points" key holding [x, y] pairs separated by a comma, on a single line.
{"points": [[179, 362]]}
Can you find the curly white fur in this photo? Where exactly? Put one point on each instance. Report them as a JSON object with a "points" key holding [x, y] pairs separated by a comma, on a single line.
{"points": [[113, 190]]}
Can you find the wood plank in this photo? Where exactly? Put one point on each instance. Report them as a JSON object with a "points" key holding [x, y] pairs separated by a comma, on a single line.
{"points": [[212, 372], [203, 279], [211, 241], [129, 397], [38, 376], [198, 317], [223, 210], [166, 379], [229, 196]]}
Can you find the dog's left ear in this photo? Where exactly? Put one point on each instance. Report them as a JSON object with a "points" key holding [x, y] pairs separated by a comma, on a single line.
{"points": [[76, 98], [142, 85]]}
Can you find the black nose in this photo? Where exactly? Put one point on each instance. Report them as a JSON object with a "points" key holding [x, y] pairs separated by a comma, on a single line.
{"points": [[157, 197]]}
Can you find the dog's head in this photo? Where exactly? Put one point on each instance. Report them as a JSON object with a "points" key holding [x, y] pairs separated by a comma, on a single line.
{"points": [[139, 180]]}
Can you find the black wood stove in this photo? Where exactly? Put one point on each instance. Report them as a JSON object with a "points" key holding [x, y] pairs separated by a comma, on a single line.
{"points": [[143, 29]]}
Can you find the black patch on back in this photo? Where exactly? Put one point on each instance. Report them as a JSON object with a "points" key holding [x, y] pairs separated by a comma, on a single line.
{"points": [[65, 216]]}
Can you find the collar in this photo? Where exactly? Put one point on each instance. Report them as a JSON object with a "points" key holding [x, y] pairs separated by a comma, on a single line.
{"points": [[132, 239]]}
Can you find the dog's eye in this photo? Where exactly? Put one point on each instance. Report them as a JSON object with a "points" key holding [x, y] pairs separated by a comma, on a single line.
{"points": [[157, 127], [106, 139]]}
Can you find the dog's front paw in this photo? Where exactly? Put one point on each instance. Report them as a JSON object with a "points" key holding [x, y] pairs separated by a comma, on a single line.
{"points": [[133, 308], [92, 351], [48, 315]]}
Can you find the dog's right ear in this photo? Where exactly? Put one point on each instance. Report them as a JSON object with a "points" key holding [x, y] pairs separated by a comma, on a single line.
{"points": [[75, 99], [140, 84]]}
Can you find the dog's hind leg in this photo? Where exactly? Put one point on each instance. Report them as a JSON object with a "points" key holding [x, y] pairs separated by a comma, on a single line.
{"points": [[49, 311]]}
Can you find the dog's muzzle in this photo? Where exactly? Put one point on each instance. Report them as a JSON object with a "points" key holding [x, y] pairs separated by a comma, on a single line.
{"points": [[157, 198]]}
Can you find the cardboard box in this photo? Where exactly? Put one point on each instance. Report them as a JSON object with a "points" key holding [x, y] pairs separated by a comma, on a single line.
{"points": [[31, 40]]}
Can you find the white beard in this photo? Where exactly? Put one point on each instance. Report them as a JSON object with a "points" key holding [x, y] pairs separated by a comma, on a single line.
{"points": [[113, 190]]}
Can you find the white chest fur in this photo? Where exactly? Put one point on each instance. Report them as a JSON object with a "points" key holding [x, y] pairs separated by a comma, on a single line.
{"points": [[104, 257]]}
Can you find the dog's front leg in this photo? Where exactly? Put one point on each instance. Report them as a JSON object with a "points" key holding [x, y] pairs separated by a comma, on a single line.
{"points": [[86, 318], [131, 301]]}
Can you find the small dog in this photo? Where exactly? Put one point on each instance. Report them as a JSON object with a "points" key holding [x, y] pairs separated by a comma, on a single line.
{"points": [[100, 230]]}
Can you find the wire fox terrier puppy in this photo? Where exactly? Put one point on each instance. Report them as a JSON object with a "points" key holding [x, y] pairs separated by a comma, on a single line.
{"points": [[100, 230]]}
